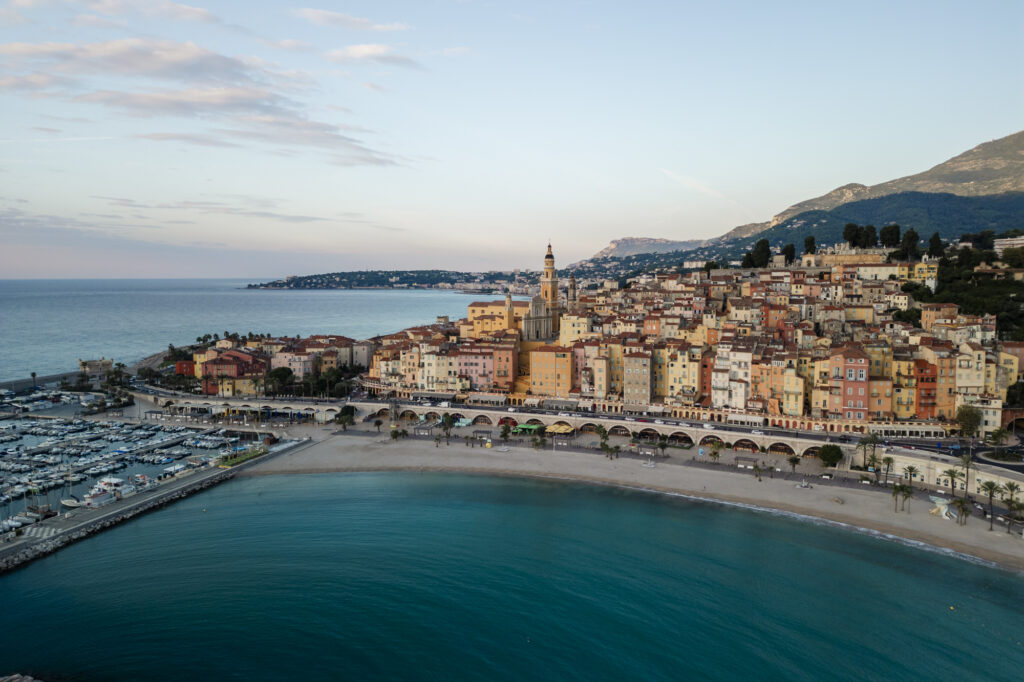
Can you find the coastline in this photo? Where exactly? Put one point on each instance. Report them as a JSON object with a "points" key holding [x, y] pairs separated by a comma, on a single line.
{"points": [[866, 511]]}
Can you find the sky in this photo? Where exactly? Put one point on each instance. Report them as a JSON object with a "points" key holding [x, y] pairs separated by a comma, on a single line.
{"points": [[151, 138]]}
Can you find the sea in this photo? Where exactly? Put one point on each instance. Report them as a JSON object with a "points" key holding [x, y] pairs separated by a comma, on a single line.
{"points": [[46, 326], [433, 576]]}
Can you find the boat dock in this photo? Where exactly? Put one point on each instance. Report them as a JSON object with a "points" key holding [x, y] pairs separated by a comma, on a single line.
{"points": [[47, 536]]}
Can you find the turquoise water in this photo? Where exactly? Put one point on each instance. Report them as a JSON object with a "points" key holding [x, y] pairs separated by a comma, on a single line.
{"points": [[47, 325], [443, 576]]}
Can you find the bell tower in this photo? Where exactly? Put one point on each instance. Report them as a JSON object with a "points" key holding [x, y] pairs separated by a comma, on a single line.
{"points": [[549, 281]]}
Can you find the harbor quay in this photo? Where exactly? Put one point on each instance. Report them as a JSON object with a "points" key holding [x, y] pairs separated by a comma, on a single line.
{"points": [[38, 526]]}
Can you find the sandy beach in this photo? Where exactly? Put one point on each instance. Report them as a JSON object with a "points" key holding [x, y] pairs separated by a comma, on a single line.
{"points": [[868, 508]]}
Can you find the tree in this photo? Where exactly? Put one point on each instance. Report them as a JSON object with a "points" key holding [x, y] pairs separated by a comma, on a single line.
{"points": [[991, 488], [789, 251], [1010, 490], [868, 442], [968, 417], [506, 429], [378, 423], [935, 248], [896, 490], [997, 437], [852, 234], [890, 236], [447, 423], [757, 471], [908, 245], [873, 463], [910, 471], [345, 420], [963, 510], [830, 455], [280, 377], [888, 462], [793, 460], [868, 237], [953, 475], [761, 254], [709, 266], [663, 444], [748, 261], [907, 493], [965, 464], [616, 450], [33, 380], [809, 245]]}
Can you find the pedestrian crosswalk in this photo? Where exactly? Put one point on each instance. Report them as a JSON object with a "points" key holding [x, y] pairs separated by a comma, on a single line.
{"points": [[40, 531]]}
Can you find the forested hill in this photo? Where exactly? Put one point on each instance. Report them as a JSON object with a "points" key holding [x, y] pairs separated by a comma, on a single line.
{"points": [[948, 214]]}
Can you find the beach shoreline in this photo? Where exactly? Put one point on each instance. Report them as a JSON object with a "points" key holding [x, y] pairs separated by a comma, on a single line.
{"points": [[867, 511]]}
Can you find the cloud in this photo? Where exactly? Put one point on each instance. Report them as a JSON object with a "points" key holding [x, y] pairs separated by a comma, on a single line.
{"points": [[51, 131], [188, 138], [33, 81], [211, 207], [160, 8], [383, 54], [138, 57], [189, 102], [456, 51], [10, 16], [323, 17], [290, 45], [373, 86]]}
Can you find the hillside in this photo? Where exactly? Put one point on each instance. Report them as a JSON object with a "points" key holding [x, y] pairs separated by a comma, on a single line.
{"points": [[948, 214], [629, 246], [995, 167]]}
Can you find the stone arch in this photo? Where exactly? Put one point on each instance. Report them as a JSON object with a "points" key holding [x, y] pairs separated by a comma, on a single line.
{"points": [[483, 419], [680, 437], [650, 433], [456, 416], [382, 412], [535, 421], [507, 420], [588, 428], [619, 430], [432, 417], [562, 423], [781, 449], [745, 444], [407, 414], [710, 439], [812, 451]]}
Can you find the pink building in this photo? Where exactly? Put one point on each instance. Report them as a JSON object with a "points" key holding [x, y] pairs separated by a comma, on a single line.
{"points": [[299, 362], [476, 363], [849, 397]]}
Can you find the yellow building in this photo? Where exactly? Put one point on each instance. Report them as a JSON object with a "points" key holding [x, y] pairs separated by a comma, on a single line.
{"points": [[551, 371]]}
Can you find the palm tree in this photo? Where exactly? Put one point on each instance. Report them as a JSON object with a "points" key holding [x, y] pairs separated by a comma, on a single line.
{"points": [[33, 380], [997, 437], [873, 463], [714, 455], [888, 462], [907, 492], [346, 420], [869, 441], [662, 444], [953, 475], [910, 471], [1010, 490], [963, 510], [991, 488], [965, 462], [378, 423], [757, 471], [793, 461], [896, 490], [616, 450]]}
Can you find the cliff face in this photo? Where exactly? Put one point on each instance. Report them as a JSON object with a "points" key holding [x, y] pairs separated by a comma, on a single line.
{"points": [[628, 246]]}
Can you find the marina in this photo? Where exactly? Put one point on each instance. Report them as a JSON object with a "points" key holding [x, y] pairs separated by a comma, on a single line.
{"points": [[61, 465]]}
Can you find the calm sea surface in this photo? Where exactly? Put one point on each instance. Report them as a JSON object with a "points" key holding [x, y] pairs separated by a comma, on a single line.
{"points": [[47, 325], [442, 577]]}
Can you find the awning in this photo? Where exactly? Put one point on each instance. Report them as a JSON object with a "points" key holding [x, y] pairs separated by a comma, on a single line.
{"points": [[429, 395], [488, 398], [560, 428], [656, 409], [560, 404], [532, 402], [528, 428]]}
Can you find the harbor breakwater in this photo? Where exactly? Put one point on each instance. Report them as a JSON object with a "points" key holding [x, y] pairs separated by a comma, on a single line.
{"points": [[14, 557], [17, 557]]}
